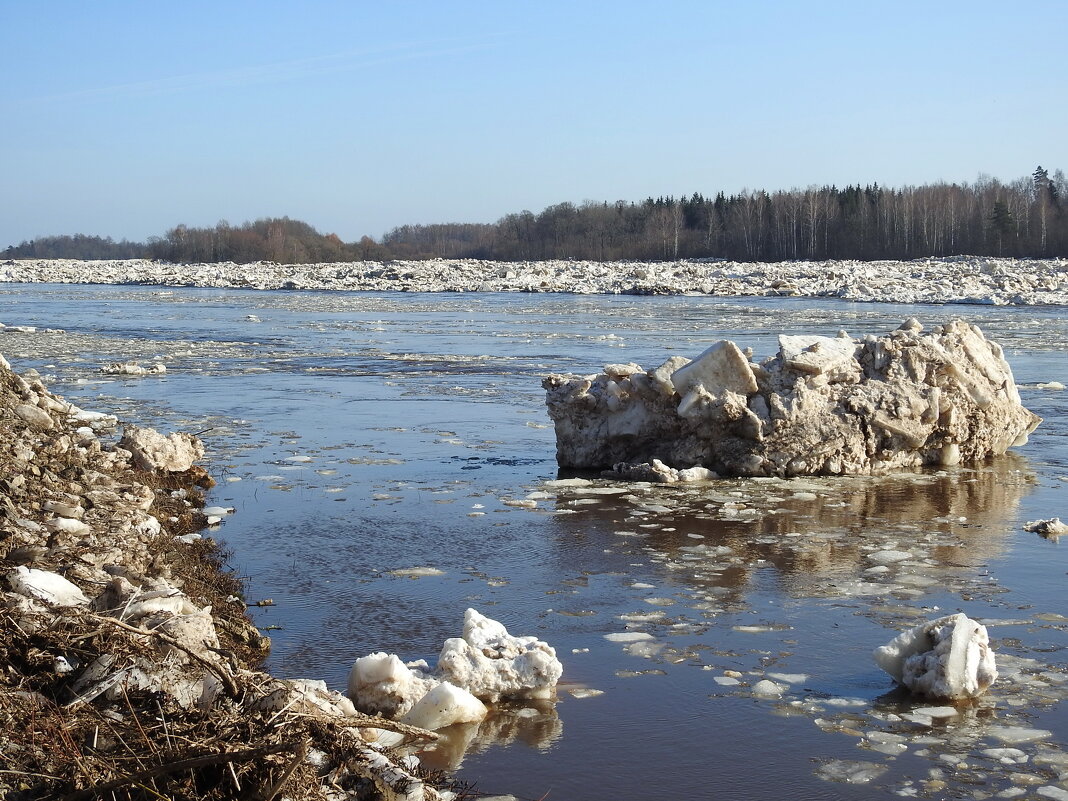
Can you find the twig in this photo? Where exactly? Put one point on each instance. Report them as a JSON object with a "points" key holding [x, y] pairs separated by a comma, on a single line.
{"points": [[233, 775], [189, 763], [137, 720], [371, 721], [163, 720], [298, 757], [227, 679], [28, 773]]}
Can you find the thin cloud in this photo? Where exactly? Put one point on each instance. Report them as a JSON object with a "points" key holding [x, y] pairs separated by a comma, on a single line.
{"points": [[276, 72]]}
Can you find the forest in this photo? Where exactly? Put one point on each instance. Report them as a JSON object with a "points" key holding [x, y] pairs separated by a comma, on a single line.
{"points": [[1025, 218]]}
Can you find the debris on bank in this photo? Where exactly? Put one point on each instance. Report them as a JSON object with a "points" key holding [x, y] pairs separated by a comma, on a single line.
{"points": [[820, 406], [129, 663]]}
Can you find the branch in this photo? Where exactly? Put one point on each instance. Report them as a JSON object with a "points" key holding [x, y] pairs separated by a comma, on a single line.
{"points": [[189, 763], [226, 678]]}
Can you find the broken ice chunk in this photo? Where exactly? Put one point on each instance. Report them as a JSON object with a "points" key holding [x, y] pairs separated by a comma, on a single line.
{"points": [[723, 367], [818, 355], [443, 706], [46, 586], [945, 658]]}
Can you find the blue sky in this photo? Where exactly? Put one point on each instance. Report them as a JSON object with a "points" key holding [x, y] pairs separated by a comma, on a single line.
{"points": [[125, 118]]}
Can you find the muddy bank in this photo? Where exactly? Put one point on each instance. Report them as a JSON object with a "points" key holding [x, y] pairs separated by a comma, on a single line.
{"points": [[130, 665], [958, 279]]}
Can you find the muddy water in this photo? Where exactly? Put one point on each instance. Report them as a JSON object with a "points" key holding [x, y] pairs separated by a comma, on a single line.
{"points": [[359, 436]]}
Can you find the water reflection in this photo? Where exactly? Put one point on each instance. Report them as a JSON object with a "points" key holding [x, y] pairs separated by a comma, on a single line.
{"points": [[825, 537], [532, 724]]}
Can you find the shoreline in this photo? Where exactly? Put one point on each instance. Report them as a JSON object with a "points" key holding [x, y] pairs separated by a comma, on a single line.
{"points": [[945, 280], [131, 665]]}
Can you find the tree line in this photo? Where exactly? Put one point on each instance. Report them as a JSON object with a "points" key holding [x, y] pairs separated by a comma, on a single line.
{"points": [[1026, 218]]}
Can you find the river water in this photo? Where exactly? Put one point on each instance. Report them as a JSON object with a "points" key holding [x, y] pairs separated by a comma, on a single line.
{"points": [[360, 435]]}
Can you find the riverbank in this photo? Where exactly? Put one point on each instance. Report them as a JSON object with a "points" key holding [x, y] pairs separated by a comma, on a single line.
{"points": [[131, 666], [958, 279]]}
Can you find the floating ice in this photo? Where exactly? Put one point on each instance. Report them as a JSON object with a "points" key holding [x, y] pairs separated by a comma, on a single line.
{"points": [[945, 658], [767, 688], [486, 664], [443, 706], [493, 664], [628, 636], [821, 406], [850, 771], [1017, 734], [1051, 529], [417, 572], [217, 511], [382, 684]]}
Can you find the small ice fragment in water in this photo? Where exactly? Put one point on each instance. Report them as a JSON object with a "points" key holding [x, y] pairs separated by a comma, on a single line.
{"points": [[767, 688], [641, 617], [1052, 528], [628, 636], [1017, 734], [585, 692], [889, 557], [849, 771], [417, 572], [788, 678], [568, 482], [936, 711]]}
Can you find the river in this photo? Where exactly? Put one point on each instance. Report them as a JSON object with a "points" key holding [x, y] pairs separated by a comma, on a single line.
{"points": [[358, 435]]}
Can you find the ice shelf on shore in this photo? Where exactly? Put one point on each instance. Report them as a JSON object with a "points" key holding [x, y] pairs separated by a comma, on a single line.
{"points": [[485, 664], [949, 658], [820, 406], [951, 279]]}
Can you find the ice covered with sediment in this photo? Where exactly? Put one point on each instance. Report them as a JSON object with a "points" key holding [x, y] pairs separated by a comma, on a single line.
{"points": [[948, 658], [820, 406], [154, 451], [954, 279], [485, 664], [381, 684]]}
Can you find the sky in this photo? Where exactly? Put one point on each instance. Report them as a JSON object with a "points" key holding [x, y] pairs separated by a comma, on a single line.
{"points": [[124, 119]]}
